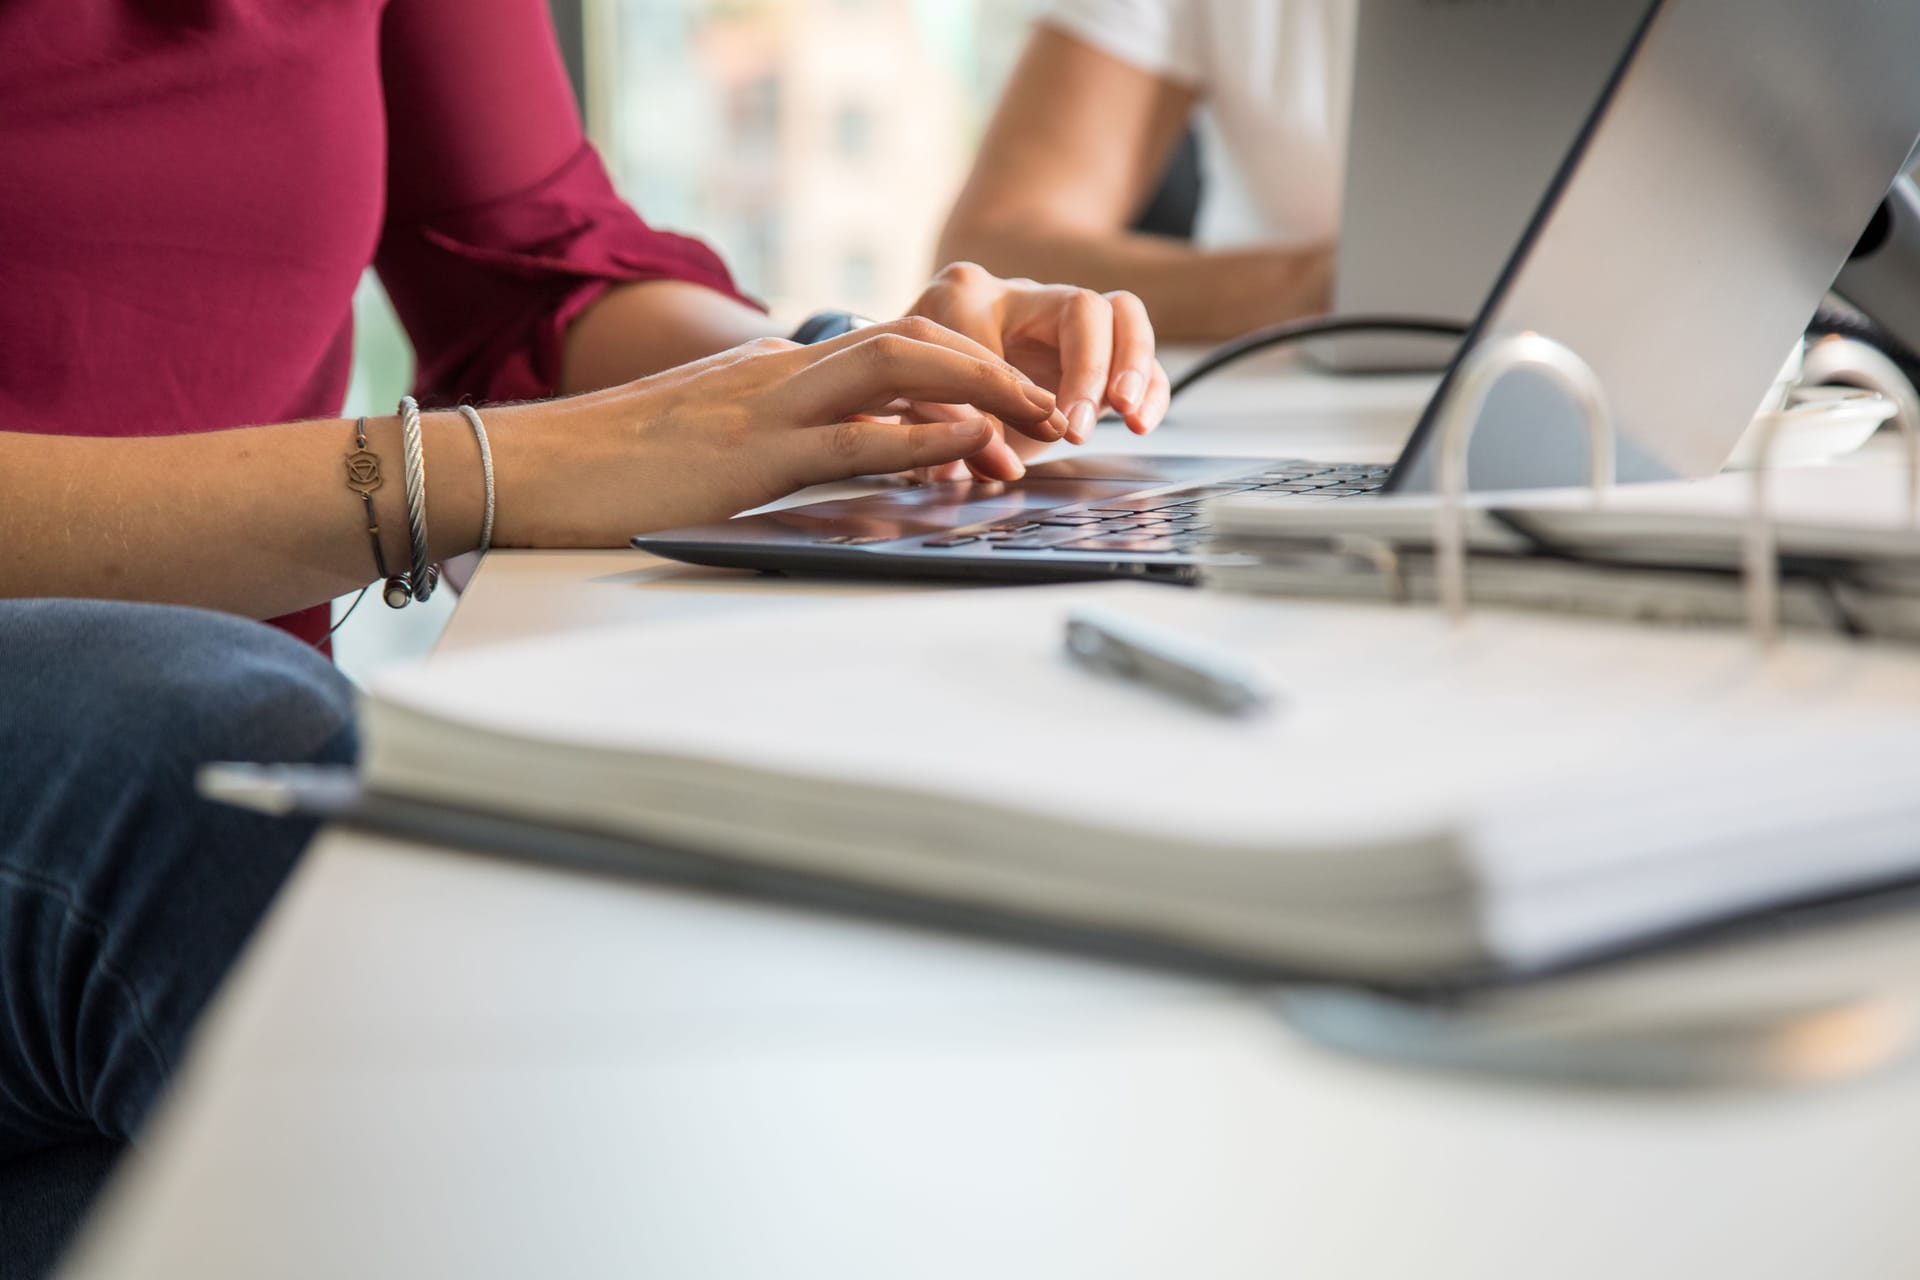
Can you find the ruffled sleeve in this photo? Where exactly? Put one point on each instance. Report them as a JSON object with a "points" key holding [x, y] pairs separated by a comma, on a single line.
{"points": [[501, 226], [486, 293]]}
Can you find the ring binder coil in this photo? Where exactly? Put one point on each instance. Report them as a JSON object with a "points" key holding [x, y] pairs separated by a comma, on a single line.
{"points": [[1691, 562], [1849, 362], [1762, 559], [1482, 370]]}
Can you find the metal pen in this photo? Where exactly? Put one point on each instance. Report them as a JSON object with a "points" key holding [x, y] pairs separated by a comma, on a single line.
{"points": [[1125, 647]]}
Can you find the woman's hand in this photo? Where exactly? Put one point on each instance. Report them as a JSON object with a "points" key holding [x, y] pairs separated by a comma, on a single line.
{"points": [[1093, 350], [707, 440]]}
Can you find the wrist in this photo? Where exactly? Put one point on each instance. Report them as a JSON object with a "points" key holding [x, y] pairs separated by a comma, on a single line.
{"points": [[390, 497], [1301, 281], [533, 444]]}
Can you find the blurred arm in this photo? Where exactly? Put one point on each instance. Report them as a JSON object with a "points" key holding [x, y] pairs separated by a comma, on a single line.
{"points": [[1075, 147]]}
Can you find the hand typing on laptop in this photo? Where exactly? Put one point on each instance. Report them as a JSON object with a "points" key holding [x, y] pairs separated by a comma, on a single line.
{"points": [[1094, 350], [741, 428]]}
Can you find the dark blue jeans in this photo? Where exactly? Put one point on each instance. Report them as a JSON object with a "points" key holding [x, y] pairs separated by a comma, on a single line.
{"points": [[123, 897]]}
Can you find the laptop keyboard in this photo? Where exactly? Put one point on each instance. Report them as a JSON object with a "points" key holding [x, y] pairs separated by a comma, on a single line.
{"points": [[1163, 523]]}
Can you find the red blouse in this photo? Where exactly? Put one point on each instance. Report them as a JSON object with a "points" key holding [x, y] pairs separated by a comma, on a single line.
{"points": [[190, 190]]}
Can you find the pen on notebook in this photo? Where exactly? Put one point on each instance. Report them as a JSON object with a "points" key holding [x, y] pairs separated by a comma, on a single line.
{"points": [[1126, 647]]}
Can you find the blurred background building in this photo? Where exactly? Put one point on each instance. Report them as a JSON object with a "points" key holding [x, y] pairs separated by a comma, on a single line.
{"points": [[816, 143]]}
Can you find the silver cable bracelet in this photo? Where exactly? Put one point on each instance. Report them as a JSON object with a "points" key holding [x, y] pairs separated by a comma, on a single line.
{"points": [[472, 415], [424, 575]]}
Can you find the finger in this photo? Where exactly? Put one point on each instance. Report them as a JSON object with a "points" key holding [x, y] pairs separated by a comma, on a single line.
{"points": [[997, 460], [1085, 338], [945, 472], [918, 328], [966, 296], [1153, 405], [1133, 363], [1005, 459], [965, 313], [969, 316], [815, 455], [933, 411], [872, 374], [974, 331], [901, 410]]}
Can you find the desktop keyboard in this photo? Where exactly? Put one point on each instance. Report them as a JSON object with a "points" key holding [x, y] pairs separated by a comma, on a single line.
{"points": [[1158, 524]]}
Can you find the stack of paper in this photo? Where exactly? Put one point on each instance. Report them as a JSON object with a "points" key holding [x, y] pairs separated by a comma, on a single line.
{"points": [[1429, 801], [1850, 562]]}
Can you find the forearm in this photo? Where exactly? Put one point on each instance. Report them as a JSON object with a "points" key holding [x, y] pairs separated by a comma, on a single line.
{"points": [[1192, 295], [633, 330], [261, 520], [257, 521]]}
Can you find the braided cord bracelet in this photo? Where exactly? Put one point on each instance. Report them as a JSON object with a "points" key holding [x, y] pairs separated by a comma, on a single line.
{"points": [[423, 575]]}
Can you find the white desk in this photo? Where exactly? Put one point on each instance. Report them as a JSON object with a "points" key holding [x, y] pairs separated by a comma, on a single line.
{"points": [[431, 1065]]}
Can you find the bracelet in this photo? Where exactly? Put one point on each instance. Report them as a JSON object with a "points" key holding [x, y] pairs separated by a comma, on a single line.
{"points": [[423, 575], [363, 477], [472, 415]]}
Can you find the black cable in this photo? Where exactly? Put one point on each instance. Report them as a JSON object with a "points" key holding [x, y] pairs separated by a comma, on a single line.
{"points": [[1829, 322], [1280, 335]]}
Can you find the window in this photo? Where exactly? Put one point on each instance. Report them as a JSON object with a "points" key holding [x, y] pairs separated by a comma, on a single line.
{"points": [[858, 274], [817, 144], [853, 132], [755, 117]]}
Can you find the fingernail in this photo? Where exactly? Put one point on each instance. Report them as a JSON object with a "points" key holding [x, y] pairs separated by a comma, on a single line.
{"points": [[1080, 421], [1127, 389], [967, 432], [1041, 397]]}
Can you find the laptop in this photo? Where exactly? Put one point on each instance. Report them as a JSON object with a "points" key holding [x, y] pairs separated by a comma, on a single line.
{"points": [[1721, 181]]}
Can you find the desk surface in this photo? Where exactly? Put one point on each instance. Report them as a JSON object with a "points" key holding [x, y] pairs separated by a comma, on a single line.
{"points": [[436, 1065]]}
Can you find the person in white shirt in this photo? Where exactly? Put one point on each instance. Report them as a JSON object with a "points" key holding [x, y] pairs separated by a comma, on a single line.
{"points": [[1091, 117]]}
